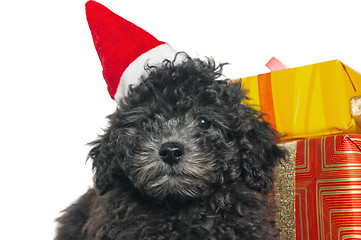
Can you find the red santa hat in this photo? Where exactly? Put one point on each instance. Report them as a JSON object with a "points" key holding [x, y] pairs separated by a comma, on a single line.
{"points": [[123, 48]]}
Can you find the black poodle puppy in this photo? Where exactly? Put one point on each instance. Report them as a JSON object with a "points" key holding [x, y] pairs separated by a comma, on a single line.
{"points": [[183, 158]]}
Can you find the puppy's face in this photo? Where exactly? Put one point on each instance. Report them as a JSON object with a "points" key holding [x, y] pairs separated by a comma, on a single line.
{"points": [[181, 134], [177, 155]]}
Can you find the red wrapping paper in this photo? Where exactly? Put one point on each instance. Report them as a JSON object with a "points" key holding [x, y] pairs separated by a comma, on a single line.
{"points": [[328, 188]]}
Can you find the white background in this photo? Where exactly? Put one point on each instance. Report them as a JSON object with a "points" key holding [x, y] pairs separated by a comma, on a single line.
{"points": [[53, 99]]}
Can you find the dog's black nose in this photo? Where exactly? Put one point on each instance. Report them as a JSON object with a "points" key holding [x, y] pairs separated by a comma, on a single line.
{"points": [[171, 152]]}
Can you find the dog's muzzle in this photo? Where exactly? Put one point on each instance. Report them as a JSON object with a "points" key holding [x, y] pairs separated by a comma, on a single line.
{"points": [[171, 152]]}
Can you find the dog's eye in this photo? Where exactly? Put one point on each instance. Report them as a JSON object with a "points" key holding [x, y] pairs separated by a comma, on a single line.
{"points": [[204, 123]]}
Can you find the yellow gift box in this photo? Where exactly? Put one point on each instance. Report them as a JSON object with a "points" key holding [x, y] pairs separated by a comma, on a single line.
{"points": [[308, 101]]}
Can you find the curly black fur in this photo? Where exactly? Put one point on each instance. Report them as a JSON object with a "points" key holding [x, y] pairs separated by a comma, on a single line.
{"points": [[218, 189]]}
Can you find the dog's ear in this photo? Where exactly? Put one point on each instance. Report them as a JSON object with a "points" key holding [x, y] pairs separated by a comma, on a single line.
{"points": [[259, 155], [105, 166], [257, 143]]}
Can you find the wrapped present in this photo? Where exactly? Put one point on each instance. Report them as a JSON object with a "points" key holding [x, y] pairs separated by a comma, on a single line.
{"points": [[309, 101], [327, 189]]}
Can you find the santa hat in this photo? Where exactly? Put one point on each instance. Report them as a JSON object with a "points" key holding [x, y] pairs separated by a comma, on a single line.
{"points": [[123, 48]]}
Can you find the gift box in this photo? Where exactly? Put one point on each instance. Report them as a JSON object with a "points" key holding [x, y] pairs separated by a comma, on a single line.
{"points": [[309, 101], [327, 189]]}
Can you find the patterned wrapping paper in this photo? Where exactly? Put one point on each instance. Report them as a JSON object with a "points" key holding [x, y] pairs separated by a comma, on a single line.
{"points": [[328, 188], [309, 101], [327, 193]]}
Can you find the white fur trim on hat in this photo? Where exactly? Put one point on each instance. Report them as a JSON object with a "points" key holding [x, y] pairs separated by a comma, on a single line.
{"points": [[134, 72]]}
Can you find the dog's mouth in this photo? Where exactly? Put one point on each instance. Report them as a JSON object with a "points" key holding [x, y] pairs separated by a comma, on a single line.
{"points": [[176, 186]]}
